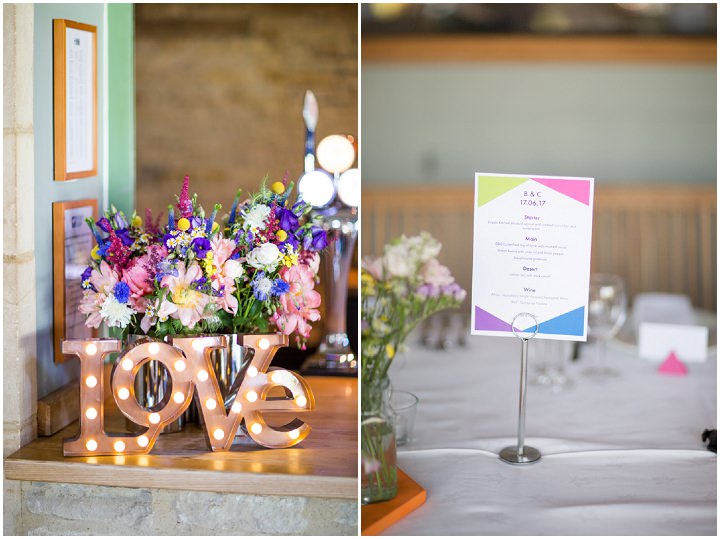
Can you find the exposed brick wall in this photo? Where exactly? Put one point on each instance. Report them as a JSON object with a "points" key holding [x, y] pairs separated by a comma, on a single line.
{"points": [[220, 91]]}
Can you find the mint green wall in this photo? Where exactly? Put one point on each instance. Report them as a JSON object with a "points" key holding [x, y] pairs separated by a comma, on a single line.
{"points": [[118, 134], [627, 123], [121, 106]]}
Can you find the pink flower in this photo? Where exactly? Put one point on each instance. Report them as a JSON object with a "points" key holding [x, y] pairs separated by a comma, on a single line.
{"points": [[435, 273], [183, 302], [299, 304], [374, 266], [225, 272], [103, 280], [139, 280]]}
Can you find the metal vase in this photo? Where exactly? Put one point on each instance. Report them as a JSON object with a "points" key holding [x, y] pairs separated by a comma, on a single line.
{"points": [[152, 382], [229, 365]]}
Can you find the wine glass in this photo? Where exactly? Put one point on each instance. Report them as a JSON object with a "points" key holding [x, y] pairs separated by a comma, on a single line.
{"points": [[607, 312]]}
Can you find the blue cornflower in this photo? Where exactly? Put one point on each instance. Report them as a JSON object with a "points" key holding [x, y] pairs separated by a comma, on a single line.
{"points": [[280, 287], [121, 291]]}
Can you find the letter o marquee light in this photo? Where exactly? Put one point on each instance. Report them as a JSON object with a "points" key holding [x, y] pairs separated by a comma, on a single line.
{"points": [[188, 362]]}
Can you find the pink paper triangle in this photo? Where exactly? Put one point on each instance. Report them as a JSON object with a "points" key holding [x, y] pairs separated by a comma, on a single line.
{"points": [[672, 365], [577, 189]]}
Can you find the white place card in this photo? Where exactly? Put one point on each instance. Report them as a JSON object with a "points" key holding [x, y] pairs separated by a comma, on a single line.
{"points": [[656, 341], [531, 254]]}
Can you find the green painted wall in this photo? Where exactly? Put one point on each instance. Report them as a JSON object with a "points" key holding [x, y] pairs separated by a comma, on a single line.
{"points": [[121, 106], [629, 123], [116, 127]]}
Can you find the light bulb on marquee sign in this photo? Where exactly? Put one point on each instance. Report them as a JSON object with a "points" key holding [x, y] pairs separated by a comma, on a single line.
{"points": [[187, 360]]}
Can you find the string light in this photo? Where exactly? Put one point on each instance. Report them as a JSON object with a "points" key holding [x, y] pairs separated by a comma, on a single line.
{"points": [[91, 349], [143, 441], [154, 418], [123, 393], [91, 381], [251, 396], [119, 446], [180, 365], [210, 404], [91, 413]]}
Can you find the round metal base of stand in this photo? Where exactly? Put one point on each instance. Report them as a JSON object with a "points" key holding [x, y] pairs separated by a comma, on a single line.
{"points": [[511, 456]]}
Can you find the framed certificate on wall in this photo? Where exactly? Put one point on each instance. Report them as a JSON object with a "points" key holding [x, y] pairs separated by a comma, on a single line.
{"points": [[72, 242], [75, 99]]}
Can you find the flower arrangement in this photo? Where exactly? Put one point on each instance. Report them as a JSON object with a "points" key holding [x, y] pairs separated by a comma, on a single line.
{"points": [[254, 272], [399, 290]]}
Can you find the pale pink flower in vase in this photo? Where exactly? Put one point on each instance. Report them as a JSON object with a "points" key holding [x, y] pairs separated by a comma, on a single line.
{"points": [[374, 266], [103, 280], [300, 303], [434, 273], [183, 302], [225, 272]]}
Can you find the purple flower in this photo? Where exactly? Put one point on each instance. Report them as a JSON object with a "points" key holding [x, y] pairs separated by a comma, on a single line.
{"points": [[166, 239], [104, 224], [292, 241], [121, 291], [85, 279], [201, 246], [196, 222], [316, 239], [428, 291], [288, 220], [124, 235], [119, 221]]}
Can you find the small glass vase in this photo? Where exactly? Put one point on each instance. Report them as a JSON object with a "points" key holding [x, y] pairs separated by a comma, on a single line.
{"points": [[379, 455]]}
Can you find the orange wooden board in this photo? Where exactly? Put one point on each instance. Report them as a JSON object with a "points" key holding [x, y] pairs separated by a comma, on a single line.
{"points": [[377, 517]]}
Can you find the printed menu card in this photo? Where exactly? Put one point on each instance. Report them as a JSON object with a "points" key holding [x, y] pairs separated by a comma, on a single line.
{"points": [[531, 254]]}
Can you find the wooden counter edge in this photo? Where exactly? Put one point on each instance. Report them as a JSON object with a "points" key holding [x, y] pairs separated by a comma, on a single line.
{"points": [[195, 480]]}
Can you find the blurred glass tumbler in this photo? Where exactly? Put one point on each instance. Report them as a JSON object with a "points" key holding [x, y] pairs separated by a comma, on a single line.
{"points": [[404, 405]]}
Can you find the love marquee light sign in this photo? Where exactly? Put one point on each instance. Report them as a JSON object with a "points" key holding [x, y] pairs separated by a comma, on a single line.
{"points": [[187, 360]]}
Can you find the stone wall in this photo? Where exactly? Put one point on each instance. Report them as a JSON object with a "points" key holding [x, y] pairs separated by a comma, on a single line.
{"points": [[69, 509], [220, 90], [19, 350]]}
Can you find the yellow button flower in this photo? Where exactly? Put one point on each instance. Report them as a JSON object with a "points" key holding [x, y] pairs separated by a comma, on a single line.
{"points": [[278, 188], [136, 221], [183, 224], [281, 235], [390, 351]]}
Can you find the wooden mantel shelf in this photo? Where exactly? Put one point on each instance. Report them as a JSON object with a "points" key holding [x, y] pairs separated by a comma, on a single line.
{"points": [[322, 466]]}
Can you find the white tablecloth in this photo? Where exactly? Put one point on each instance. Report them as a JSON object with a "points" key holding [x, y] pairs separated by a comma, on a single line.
{"points": [[620, 457]]}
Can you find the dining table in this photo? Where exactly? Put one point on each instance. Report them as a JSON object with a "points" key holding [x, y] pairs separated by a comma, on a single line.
{"points": [[621, 455]]}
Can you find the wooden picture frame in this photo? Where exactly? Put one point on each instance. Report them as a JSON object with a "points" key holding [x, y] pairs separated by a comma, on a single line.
{"points": [[75, 81], [72, 243]]}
